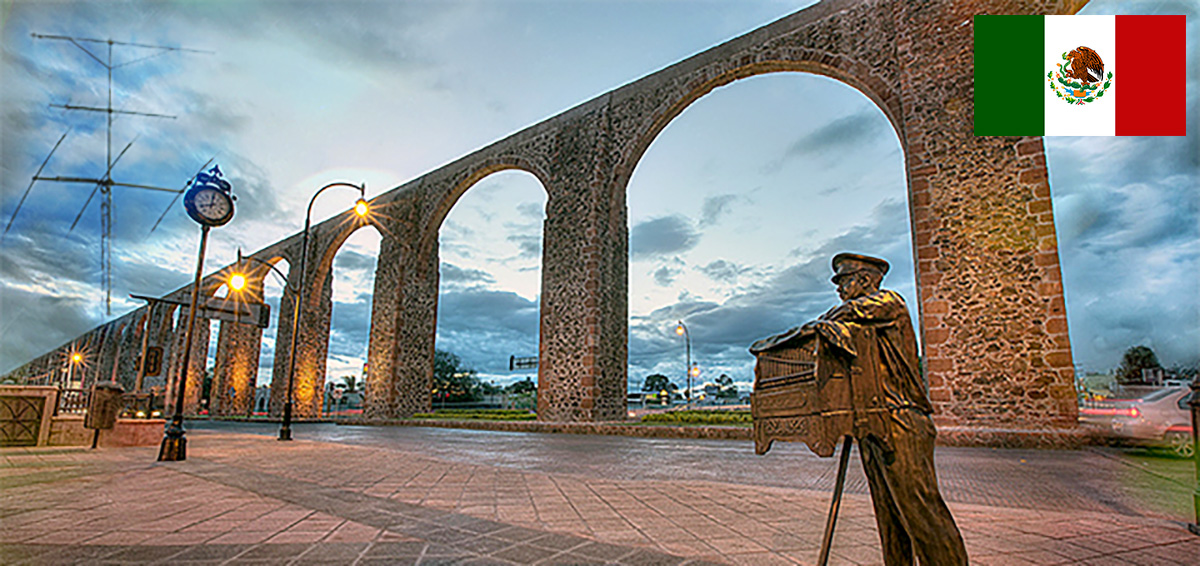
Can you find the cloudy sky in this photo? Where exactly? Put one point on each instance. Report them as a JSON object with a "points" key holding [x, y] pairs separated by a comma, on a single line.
{"points": [[734, 211]]}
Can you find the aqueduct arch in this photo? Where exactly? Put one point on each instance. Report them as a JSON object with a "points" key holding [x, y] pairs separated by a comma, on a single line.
{"points": [[991, 306]]}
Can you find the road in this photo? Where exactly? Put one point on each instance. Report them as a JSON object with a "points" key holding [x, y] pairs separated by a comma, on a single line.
{"points": [[1125, 481]]}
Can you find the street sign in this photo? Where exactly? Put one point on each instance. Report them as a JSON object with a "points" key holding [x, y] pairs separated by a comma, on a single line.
{"points": [[515, 363], [225, 308], [153, 364]]}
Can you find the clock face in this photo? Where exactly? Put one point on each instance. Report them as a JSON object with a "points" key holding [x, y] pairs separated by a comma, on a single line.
{"points": [[209, 206]]}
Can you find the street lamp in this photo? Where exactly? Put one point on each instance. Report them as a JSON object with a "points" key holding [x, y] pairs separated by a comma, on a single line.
{"points": [[76, 359], [361, 208], [682, 330]]}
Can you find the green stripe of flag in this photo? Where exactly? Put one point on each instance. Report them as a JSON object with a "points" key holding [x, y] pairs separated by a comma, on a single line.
{"points": [[1009, 76]]}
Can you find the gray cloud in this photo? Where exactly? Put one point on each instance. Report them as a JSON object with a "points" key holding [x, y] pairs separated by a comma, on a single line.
{"points": [[350, 260], [834, 138], [1129, 252], [662, 236], [715, 207], [34, 322], [36, 261], [485, 327], [529, 244], [453, 275], [455, 231], [848, 131], [665, 275], [350, 328], [722, 271], [532, 210]]}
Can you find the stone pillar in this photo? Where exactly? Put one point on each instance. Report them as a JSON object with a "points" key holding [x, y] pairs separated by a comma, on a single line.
{"points": [[992, 313], [403, 317], [196, 364], [161, 328], [313, 349], [584, 326], [101, 370], [283, 344], [312, 344], [382, 394], [131, 348], [99, 355], [236, 368]]}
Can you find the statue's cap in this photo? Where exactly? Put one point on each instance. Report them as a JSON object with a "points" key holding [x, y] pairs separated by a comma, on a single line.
{"points": [[846, 263]]}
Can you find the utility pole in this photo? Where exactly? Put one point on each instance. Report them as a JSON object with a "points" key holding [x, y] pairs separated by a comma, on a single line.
{"points": [[105, 182]]}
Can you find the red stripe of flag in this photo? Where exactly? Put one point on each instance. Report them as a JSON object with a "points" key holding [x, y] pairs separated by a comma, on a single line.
{"points": [[1151, 68]]}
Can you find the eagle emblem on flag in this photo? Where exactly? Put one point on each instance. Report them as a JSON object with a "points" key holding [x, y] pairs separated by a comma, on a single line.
{"points": [[1077, 80]]}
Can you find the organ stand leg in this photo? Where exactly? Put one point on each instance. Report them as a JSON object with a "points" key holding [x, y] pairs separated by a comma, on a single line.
{"points": [[827, 540]]}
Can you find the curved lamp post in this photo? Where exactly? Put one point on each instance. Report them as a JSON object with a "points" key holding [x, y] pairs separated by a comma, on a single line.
{"points": [[682, 330], [361, 209]]}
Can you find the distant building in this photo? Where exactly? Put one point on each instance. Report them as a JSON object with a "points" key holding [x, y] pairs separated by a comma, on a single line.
{"points": [[262, 399]]}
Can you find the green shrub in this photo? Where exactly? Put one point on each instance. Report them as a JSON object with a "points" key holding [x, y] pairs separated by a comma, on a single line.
{"points": [[700, 417], [478, 415]]}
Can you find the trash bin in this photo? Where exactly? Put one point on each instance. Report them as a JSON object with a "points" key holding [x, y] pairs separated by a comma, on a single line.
{"points": [[106, 404]]}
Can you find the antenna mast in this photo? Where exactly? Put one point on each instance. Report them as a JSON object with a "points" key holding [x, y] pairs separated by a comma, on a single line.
{"points": [[105, 183]]}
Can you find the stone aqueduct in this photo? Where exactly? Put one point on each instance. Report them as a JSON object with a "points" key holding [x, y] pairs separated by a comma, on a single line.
{"points": [[992, 315]]}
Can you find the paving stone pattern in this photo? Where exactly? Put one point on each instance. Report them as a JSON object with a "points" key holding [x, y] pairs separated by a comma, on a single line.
{"points": [[243, 499]]}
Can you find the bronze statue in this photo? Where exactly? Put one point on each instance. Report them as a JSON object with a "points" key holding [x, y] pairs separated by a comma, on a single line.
{"points": [[853, 373]]}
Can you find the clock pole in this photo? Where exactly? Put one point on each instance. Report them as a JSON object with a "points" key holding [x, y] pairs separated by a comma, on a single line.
{"points": [[174, 445]]}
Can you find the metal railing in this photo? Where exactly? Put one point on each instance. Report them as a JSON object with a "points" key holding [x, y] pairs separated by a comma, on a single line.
{"points": [[136, 405], [72, 402]]}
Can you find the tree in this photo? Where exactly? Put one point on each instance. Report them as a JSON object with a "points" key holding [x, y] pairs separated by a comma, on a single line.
{"points": [[488, 388], [452, 380], [351, 382], [1136, 359], [521, 387], [728, 390], [656, 382], [1184, 372]]}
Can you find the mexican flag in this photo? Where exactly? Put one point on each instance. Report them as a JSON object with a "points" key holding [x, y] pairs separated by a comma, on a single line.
{"points": [[1080, 75]]}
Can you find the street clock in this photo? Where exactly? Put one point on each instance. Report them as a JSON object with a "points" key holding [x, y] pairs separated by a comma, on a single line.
{"points": [[210, 200]]}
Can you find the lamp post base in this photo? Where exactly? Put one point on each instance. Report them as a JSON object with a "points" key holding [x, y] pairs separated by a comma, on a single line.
{"points": [[174, 445], [285, 431]]}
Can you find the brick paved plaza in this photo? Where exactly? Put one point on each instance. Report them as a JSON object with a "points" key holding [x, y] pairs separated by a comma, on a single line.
{"points": [[249, 499]]}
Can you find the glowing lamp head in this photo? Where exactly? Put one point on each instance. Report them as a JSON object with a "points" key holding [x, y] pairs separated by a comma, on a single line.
{"points": [[76, 357], [679, 329], [361, 208], [237, 282], [695, 371]]}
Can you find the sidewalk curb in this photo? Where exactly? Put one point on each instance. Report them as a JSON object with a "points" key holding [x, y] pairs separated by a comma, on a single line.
{"points": [[1053, 439]]}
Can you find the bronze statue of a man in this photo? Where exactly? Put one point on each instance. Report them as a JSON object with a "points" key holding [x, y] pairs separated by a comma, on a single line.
{"points": [[909, 510]]}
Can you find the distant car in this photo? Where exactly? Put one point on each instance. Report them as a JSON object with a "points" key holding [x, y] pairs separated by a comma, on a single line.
{"points": [[1160, 417]]}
